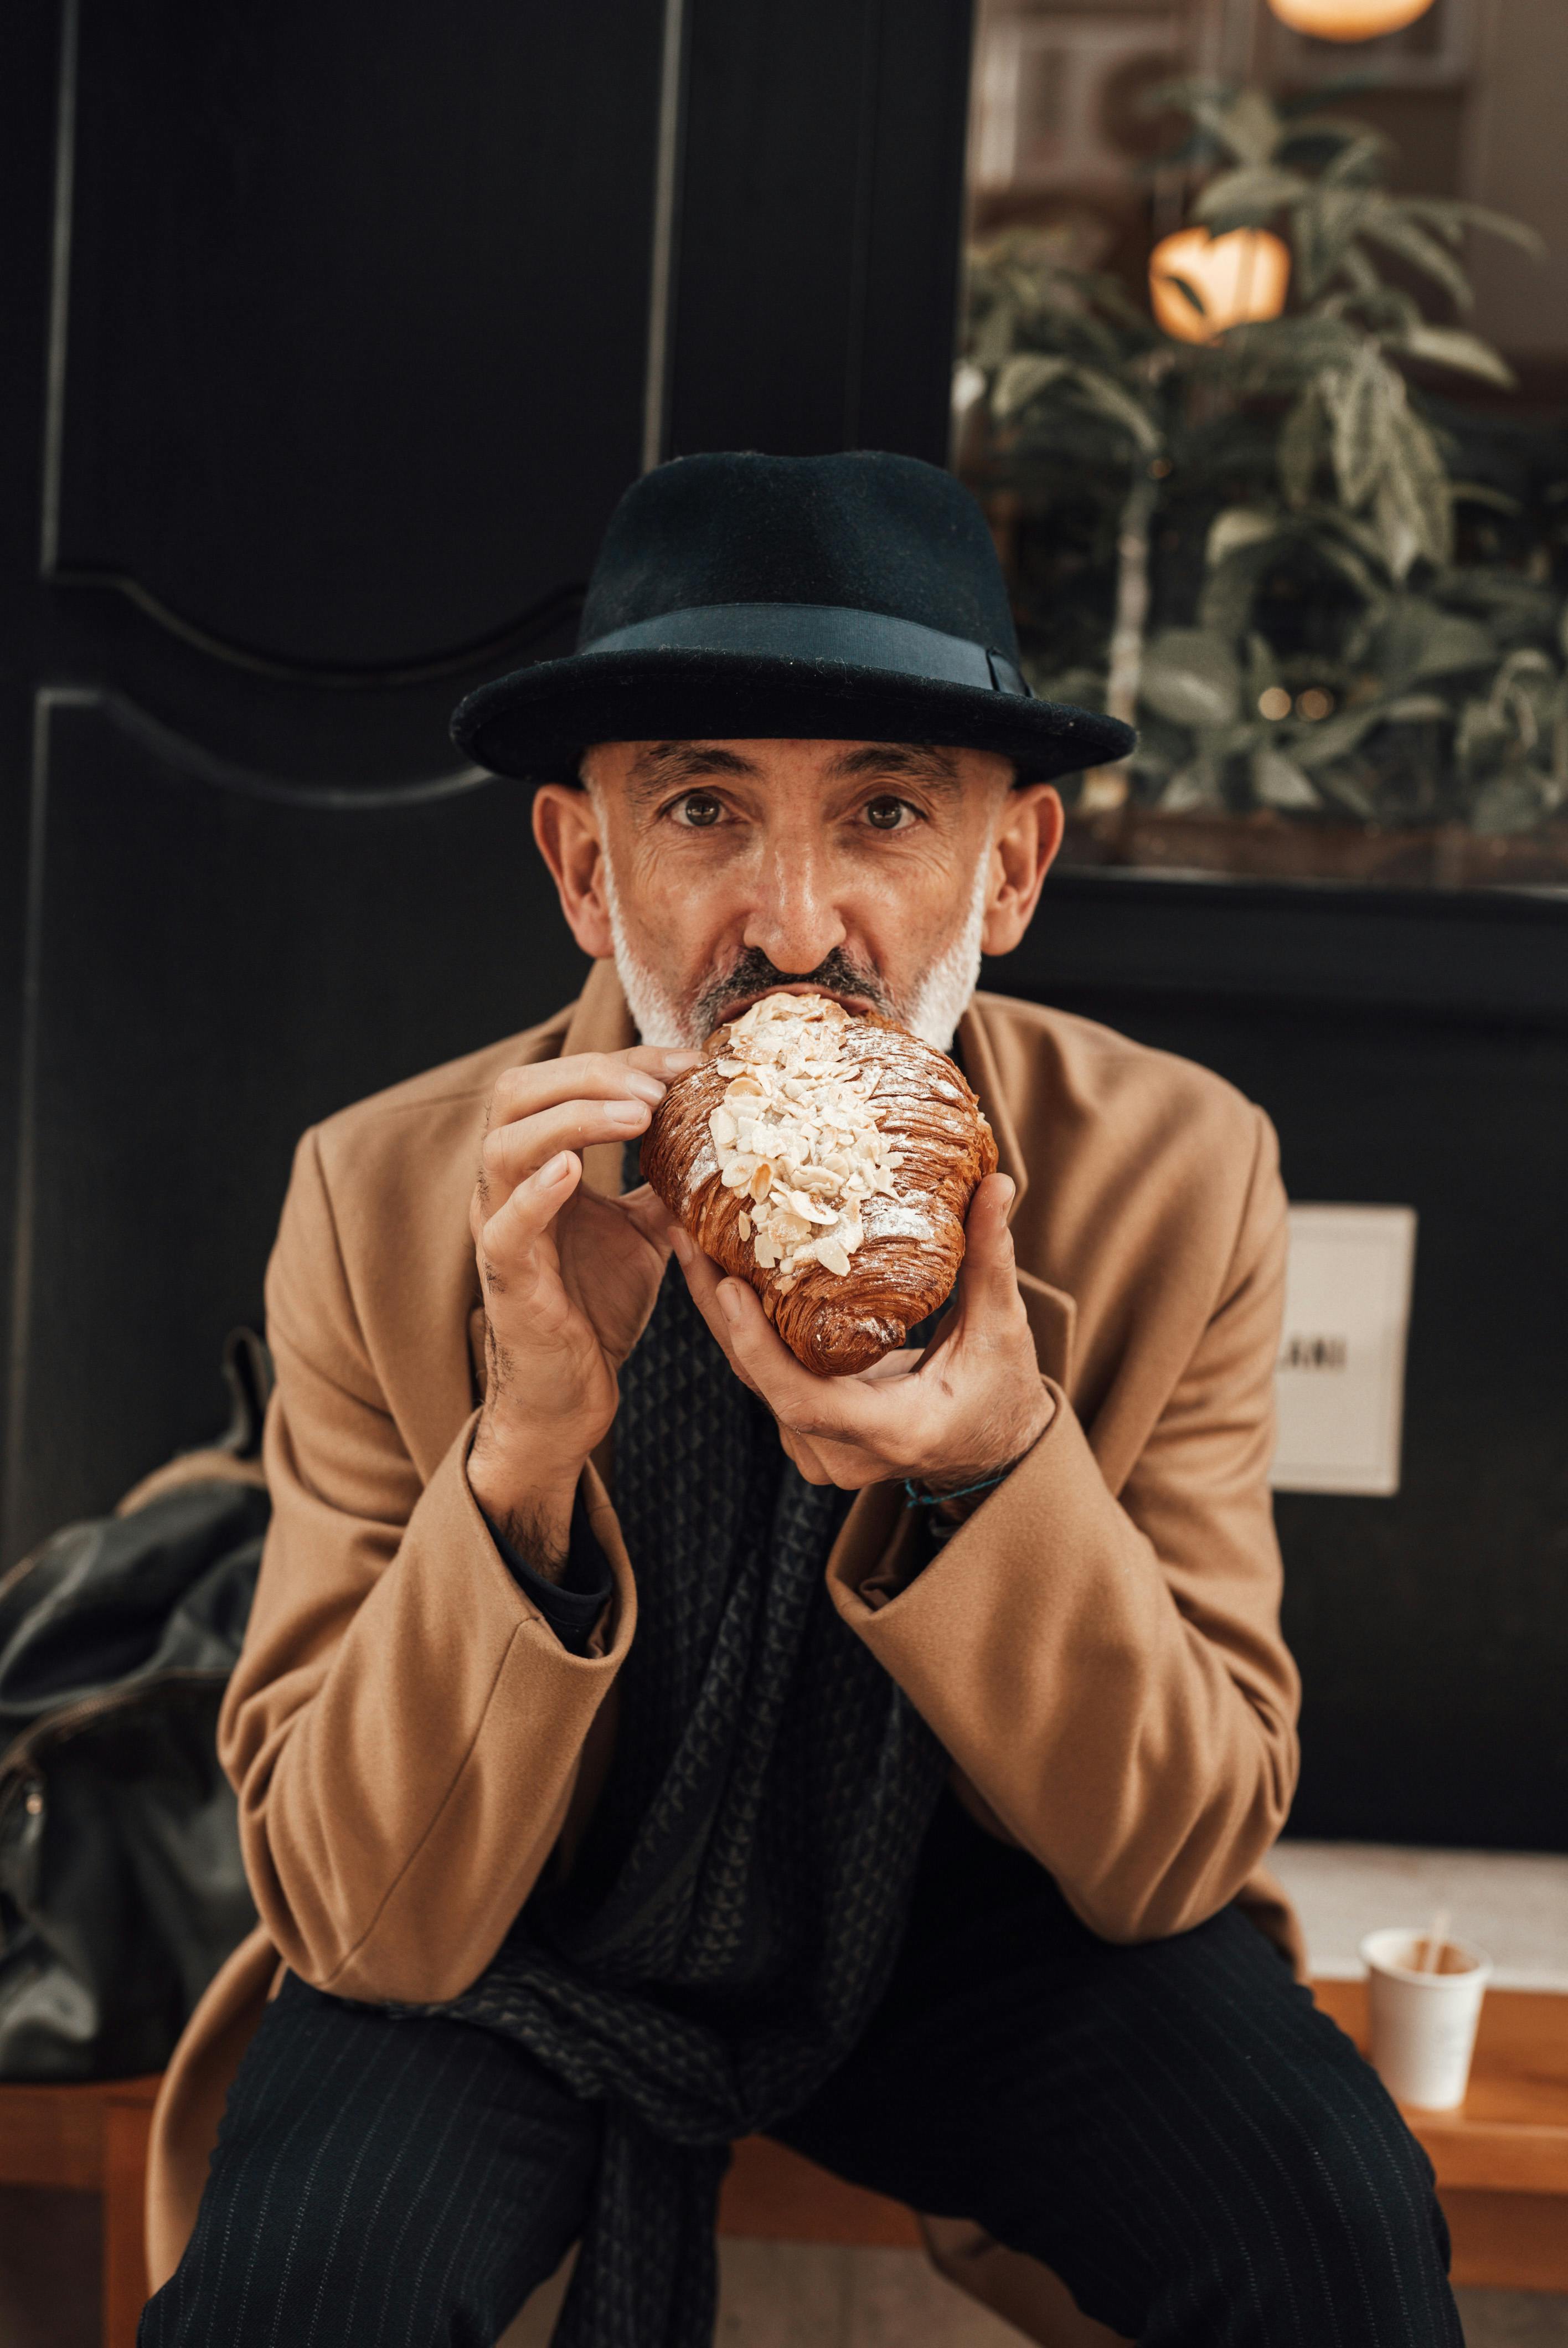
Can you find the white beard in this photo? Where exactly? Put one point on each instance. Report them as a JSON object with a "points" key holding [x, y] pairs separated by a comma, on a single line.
{"points": [[939, 1003], [944, 994], [656, 1014]]}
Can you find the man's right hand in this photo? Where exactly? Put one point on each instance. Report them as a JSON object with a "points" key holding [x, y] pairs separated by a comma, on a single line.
{"points": [[568, 1281]]}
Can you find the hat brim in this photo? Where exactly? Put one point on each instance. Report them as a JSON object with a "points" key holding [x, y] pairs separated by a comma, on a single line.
{"points": [[537, 722]]}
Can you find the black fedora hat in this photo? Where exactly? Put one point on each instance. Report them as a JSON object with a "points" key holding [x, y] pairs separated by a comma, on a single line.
{"points": [[849, 598]]}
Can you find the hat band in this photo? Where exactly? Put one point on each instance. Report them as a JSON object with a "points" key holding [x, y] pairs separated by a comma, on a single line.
{"points": [[820, 632]]}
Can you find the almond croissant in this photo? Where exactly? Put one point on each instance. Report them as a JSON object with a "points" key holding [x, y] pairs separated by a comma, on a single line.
{"points": [[830, 1160]]}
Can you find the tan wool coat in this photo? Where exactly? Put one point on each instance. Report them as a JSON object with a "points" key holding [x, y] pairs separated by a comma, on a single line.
{"points": [[1098, 1648]]}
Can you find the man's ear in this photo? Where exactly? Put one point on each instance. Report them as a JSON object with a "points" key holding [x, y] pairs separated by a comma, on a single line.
{"points": [[566, 826], [1027, 835]]}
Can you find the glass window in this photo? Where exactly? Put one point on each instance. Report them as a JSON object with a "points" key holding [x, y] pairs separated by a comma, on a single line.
{"points": [[1264, 387]]}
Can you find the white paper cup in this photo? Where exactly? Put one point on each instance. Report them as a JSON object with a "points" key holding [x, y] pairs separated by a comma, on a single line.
{"points": [[1423, 2024]]}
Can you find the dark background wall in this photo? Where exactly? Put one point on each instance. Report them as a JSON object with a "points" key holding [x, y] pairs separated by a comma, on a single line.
{"points": [[1412, 1050], [332, 334]]}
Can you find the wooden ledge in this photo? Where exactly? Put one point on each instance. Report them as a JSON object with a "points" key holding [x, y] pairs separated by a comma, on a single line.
{"points": [[1502, 2161], [1510, 2134]]}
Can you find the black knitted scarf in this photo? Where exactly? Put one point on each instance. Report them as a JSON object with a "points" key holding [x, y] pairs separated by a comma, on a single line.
{"points": [[734, 1912]]}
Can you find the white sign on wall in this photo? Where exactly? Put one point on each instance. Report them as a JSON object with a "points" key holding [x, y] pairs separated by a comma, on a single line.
{"points": [[1340, 1380]]}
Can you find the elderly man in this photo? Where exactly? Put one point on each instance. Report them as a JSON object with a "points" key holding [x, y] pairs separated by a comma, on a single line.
{"points": [[642, 1742]]}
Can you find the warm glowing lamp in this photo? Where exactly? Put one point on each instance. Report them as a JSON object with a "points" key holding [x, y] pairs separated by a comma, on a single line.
{"points": [[1238, 277], [1348, 20]]}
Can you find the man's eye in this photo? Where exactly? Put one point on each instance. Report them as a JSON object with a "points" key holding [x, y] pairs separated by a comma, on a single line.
{"points": [[888, 814], [699, 809]]}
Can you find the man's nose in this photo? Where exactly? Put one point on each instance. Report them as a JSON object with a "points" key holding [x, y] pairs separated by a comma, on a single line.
{"points": [[794, 919]]}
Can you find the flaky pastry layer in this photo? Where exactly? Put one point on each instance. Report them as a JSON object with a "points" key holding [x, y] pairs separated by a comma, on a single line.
{"points": [[830, 1162]]}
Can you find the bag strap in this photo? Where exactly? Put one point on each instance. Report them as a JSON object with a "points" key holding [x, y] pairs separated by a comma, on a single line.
{"points": [[235, 1456]]}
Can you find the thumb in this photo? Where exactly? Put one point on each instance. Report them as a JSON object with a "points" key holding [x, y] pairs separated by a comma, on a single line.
{"points": [[988, 1283]]}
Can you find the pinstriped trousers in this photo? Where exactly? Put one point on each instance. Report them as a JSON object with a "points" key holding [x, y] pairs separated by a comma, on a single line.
{"points": [[1202, 2157]]}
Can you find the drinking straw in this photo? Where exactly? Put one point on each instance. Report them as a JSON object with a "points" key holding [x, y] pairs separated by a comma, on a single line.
{"points": [[1437, 1934]]}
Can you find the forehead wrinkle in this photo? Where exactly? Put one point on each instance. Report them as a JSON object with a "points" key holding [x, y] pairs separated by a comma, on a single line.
{"points": [[922, 762]]}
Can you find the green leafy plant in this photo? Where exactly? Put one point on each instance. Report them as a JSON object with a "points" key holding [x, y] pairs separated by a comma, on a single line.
{"points": [[1326, 655]]}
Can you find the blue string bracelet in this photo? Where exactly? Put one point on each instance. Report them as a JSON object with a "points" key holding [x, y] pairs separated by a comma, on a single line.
{"points": [[917, 1500]]}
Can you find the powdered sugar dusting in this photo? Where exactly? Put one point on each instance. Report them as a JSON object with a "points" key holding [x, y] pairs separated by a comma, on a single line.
{"points": [[888, 1219]]}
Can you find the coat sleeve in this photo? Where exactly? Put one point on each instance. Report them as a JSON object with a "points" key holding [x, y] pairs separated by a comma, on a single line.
{"points": [[402, 1729], [1107, 1671]]}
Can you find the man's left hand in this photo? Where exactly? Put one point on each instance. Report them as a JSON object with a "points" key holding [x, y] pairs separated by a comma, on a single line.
{"points": [[964, 1409]]}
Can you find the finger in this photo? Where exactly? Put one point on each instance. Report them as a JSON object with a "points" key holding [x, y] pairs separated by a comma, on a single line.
{"points": [[666, 1061], [512, 1152], [702, 1277], [509, 1239], [840, 1410], [644, 1072]]}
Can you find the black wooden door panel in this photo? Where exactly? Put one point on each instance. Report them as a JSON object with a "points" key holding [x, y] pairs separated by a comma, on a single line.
{"points": [[340, 327], [219, 960], [352, 347], [820, 224]]}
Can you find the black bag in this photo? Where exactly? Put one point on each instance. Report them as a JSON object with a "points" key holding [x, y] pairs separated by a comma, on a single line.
{"points": [[121, 1887]]}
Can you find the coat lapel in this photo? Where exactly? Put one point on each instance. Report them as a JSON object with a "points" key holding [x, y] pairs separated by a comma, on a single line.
{"points": [[1052, 1314], [979, 1060]]}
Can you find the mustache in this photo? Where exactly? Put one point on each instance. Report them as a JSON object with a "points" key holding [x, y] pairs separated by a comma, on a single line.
{"points": [[753, 973]]}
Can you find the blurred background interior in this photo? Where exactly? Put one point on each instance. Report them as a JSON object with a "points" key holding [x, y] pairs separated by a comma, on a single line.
{"points": [[332, 336]]}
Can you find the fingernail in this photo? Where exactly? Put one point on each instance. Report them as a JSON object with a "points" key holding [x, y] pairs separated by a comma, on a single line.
{"points": [[730, 1302], [627, 1112], [682, 1060], [556, 1168], [646, 1087]]}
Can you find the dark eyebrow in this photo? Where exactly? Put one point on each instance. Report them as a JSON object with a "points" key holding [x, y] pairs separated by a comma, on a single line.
{"points": [[664, 763], [923, 762]]}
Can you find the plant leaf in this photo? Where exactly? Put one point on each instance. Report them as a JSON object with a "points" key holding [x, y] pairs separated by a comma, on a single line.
{"points": [[1452, 346], [1021, 380], [1415, 709], [1391, 226], [1418, 478], [1397, 533], [1357, 157], [1191, 676], [1235, 527], [1248, 198], [1318, 745], [1189, 294], [1358, 398], [1324, 226], [1436, 210], [1482, 493], [1103, 393], [1195, 785], [1250, 127], [1510, 802], [1279, 782], [1299, 446]]}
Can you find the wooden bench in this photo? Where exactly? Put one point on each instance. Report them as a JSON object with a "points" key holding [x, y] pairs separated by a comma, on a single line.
{"points": [[89, 2139], [1502, 2162]]}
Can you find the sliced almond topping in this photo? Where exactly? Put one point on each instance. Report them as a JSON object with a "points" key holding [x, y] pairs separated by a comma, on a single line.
{"points": [[798, 1134]]}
